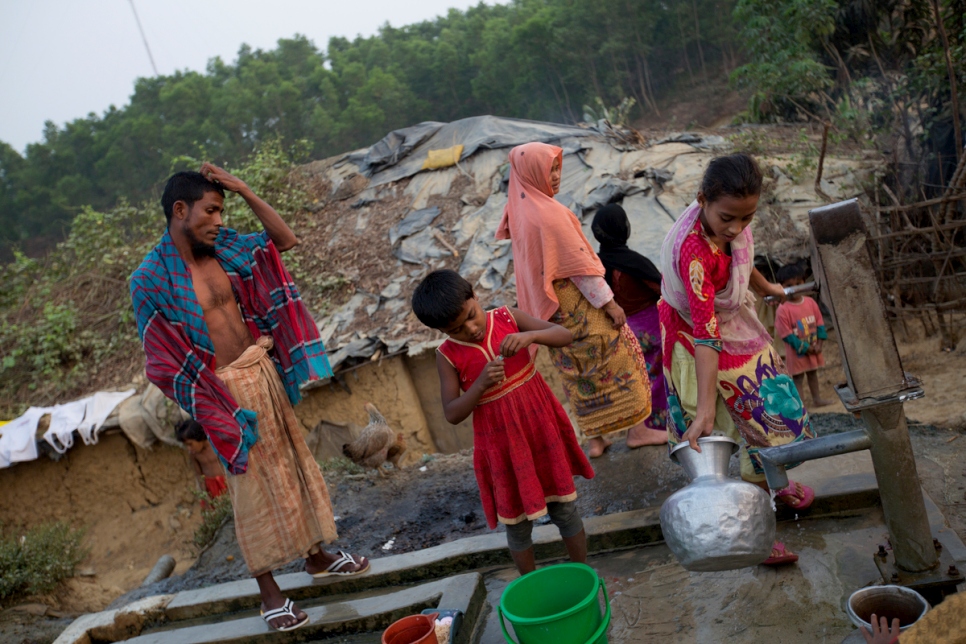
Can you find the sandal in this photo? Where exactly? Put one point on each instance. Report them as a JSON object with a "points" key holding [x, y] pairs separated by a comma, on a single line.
{"points": [[779, 556], [287, 610], [796, 496], [344, 558]]}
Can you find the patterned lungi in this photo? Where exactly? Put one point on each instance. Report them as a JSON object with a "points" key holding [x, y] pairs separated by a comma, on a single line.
{"points": [[282, 506]]}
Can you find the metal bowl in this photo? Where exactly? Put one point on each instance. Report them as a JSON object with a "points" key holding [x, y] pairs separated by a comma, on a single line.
{"points": [[889, 602]]}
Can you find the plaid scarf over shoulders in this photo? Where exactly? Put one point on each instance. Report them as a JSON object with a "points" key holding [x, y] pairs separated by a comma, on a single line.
{"points": [[181, 356]]}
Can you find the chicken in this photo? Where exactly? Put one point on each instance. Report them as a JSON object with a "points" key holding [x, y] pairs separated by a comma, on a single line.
{"points": [[376, 444]]}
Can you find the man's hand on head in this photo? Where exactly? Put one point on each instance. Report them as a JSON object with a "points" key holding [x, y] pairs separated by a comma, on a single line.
{"points": [[228, 181], [278, 231]]}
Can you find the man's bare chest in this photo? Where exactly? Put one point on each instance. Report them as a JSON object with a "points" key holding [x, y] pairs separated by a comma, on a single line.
{"points": [[212, 287]]}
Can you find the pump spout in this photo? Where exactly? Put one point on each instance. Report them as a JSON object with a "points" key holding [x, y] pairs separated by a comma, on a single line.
{"points": [[774, 459]]}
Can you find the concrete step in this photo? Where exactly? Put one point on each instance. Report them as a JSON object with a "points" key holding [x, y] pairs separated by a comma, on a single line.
{"points": [[843, 483], [465, 593]]}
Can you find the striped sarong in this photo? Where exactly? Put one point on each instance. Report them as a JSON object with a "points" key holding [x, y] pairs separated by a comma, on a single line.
{"points": [[282, 507]]}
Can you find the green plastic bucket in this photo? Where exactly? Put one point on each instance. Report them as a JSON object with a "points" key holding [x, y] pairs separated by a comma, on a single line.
{"points": [[558, 605]]}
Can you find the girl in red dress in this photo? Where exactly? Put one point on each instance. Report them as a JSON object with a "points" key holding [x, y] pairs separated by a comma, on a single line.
{"points": [[525, 450]]}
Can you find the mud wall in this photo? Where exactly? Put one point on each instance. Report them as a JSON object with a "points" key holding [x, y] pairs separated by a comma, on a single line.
{"points": [[135, 505], [336, 409], [406, 391], [448, 438]]}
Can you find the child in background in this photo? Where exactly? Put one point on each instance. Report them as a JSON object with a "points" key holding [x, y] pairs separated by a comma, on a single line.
{"points": [[525, 450], [799, 323], [208, 469]]}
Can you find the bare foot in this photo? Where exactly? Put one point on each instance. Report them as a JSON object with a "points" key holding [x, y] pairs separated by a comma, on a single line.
{"points": [[818, 402], [598, 446], [641, 435]]}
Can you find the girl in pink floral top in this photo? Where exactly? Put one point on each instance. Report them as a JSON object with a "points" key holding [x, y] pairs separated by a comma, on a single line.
{"points": [[721, 370]]}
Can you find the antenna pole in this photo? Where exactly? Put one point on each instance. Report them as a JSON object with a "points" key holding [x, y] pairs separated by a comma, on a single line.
{"points": [[143, 37]]}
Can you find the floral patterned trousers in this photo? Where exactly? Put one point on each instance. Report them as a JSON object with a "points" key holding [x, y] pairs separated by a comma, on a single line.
{"points": [[757, 406]]}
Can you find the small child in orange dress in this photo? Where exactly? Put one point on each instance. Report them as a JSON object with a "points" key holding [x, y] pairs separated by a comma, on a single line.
{"points": [[799, 323], [525, 452], [209, 472]]}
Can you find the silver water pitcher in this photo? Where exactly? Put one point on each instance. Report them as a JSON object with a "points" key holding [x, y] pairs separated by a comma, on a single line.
{"points": [[716, 522]]}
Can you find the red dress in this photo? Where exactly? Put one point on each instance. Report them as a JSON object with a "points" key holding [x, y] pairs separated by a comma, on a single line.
{"points": [[525, 451]]}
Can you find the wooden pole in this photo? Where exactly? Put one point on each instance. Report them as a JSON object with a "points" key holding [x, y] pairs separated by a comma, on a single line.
{"points": [[952, 80], [821, 164]]}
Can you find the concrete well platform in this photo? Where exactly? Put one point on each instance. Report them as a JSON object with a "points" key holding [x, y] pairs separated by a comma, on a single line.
{"points": [[653, 598]]}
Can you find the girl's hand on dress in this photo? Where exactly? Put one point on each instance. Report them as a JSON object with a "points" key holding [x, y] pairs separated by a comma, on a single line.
{"points": [[514, 343], [492, 373], [616, 313], [700, 428]]}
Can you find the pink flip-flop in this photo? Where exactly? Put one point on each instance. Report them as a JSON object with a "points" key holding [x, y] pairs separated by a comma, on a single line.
{"points": [[779, 556], [796, 496]]}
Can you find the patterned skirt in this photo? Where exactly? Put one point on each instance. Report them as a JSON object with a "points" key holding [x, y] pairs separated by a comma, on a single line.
{"points": [[646, 326], [757, 405], [604, 371]]}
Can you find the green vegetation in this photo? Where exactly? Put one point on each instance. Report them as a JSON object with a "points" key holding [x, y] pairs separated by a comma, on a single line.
{"points": [[66, 321], [541, 59], [212, 518], [340, 465], [877, 71], [34, 562]]}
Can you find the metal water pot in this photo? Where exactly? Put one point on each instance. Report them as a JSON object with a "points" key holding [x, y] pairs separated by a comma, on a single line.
{"points": [[716, 522]]}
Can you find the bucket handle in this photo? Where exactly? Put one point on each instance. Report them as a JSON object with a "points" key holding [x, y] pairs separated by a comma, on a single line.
{"points": [[604, 622]]}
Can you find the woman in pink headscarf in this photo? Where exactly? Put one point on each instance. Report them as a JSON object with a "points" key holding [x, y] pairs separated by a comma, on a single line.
{"points": [[560, 279]]}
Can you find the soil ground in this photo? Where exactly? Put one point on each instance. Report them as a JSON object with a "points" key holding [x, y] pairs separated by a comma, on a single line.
{"points": [[418, 508], [705, 105]]}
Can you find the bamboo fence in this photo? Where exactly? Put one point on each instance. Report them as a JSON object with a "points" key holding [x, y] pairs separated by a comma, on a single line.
{"points": [[920, 252]]}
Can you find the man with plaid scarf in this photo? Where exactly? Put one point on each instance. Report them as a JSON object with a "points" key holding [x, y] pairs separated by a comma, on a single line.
{"points": [[227, 336]]}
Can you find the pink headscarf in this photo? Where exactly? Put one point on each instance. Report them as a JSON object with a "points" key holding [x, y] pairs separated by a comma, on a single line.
{"points": [[742, 333], [548, 243]]}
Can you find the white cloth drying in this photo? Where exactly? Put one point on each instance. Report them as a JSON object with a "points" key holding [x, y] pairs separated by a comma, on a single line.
{"points": [[99, 407], [64, 419], [18, 438]]}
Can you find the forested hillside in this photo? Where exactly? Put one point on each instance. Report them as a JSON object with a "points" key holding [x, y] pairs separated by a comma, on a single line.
{"points": [[540, 59], [885, 72], [881, 74]]}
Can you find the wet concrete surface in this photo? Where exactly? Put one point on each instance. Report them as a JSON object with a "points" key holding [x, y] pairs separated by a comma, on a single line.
{"points": [[655, 600], [416, 510]]}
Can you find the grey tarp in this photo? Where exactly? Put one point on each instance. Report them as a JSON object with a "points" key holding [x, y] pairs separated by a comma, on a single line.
{"points": [[413, 223], [474, 133], [393, 147], [654, 183]]}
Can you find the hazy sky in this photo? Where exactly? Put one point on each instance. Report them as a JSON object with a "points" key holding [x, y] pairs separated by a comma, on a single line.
{"points": [[62, 59]]}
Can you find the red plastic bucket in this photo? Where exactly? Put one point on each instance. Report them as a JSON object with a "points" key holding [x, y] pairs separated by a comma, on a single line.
{"points": [[415, 629]]}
